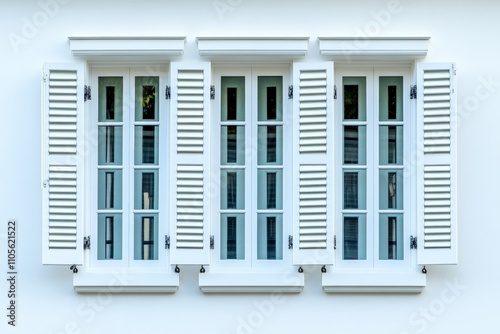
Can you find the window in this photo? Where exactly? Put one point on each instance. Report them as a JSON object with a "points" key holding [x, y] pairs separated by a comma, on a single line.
{"points": [[130, 122], [251, 122], [374, 133]]}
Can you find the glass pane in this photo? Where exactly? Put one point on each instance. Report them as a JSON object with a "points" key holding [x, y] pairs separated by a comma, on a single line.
{"points": [[110, 145], [269, 237], [391, 189], [354, 231], [391, 145], [270, 98], [270, 145], [391, 243], [232, 237], [355, 145], [232, 145], [146, 190], [233, 98], [233, 189], [110, 99], [146, 144], [110, 189], [354, 189], [146, 101], [354, 98], [391, 98], [146, 237], [109, 237], [270, 189]]}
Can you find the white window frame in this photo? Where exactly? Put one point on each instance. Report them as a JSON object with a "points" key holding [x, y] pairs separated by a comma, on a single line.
{"points": [[250, 274], [126, 275], [372, 150]]}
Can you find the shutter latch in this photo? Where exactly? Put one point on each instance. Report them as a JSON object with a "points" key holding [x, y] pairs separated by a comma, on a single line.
{"points": [[212, 242], [290, 92], [290, 242], [167, 242], [167, 93], [212, 92]]}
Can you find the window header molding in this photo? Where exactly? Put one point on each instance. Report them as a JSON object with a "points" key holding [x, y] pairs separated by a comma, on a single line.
{"points": [[253, 46], [374, 48], [126, 46]]}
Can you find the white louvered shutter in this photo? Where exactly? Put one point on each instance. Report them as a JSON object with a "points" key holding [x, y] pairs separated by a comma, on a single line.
{"points": [[190, 99], [313, 163], [62, 167], [437, 170]]}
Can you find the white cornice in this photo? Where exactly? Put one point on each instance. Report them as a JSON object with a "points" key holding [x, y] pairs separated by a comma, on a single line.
{"points": [[253, 46], [126, 46], [374, 48]]}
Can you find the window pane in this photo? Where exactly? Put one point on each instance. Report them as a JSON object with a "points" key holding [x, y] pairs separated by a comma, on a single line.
{"points": [[391, 189], [146, 144], [110, 145], [269, 237], [391, 243], [233, 189], [146, 101], [146, 237], [109, 237], [232, 145], [354, 98], [270, 98], [232, 237], [354, 233], [355, 145], [233, 98], [110, 99], [391, 98], [146, 190], [270, 189], [270, 145], [354, 189], [391, 145], [110, 189]]}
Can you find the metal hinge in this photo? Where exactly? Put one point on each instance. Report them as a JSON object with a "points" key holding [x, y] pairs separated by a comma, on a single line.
{"points": [[45, 183], [45, 77], [290, 92], [167, 242], [413, 92], [290, 242], [212, 242], [167, 93], [413, 242], [87, 93], [334, 92], [86, 242], [334, 242], [212, 92], [454, 69]]}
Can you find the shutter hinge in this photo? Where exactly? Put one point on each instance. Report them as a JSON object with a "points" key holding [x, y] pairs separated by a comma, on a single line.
{"points": [[45, 183], [290, 242], [454, 69], [334, 92], [45, 77], [334, 242], [212, 242], [87, 93], [413, 242], [290, 92], [86, 242], [167, 242], [167, 92], [413, 92], [212, 92]]}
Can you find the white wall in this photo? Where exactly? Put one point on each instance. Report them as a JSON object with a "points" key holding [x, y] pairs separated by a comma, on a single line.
{"points": [[457, 299]]}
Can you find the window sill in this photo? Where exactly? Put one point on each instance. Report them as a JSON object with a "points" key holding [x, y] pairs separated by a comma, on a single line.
{"points": [[125, 280], [213, 281], [351, 281]]}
